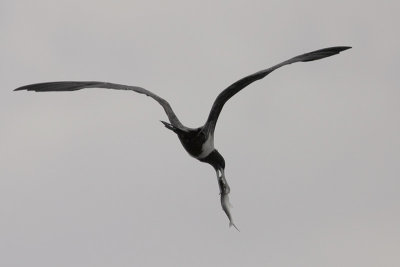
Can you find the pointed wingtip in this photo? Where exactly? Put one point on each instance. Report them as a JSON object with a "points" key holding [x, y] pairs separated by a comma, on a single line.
{"points": [[327, 52], [232, 224], [343, 48], [25, 87]]}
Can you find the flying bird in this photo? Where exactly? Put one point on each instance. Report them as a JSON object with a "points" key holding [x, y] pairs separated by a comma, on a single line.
{"points": [[198, 142]]}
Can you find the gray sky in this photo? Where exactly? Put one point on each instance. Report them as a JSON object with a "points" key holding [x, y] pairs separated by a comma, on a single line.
{"points": [[91, 178]]}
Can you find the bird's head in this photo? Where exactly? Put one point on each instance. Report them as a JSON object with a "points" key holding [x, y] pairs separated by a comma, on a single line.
{"points": [[215, 159]]}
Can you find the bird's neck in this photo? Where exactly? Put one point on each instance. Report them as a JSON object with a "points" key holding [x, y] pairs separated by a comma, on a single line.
{"points": [[215, 159]]}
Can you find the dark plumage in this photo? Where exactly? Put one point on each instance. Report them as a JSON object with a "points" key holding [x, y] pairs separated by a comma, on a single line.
{"points": [[198, 142]]}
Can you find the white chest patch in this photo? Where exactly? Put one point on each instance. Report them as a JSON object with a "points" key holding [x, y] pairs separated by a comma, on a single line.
{"points": [[207, 147]]}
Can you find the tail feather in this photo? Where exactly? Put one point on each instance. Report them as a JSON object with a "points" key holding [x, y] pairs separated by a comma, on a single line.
{"points": [[172, 127]]}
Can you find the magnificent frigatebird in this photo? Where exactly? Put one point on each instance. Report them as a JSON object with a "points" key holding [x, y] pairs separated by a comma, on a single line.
{"points": [[198, 142]]}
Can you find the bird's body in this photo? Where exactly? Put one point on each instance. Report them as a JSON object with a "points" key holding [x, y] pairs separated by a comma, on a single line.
{"points": [[198, 142]]}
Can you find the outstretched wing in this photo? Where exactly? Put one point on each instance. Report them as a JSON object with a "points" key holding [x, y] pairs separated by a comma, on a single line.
{"points": [[73, 86], [225, 95]]}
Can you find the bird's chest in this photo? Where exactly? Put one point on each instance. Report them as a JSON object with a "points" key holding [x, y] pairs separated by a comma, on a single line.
{"points": [[207, 147], [199, 146]]}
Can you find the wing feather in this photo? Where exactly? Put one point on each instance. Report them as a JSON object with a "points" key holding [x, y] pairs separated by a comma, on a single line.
{"points": [[233, 89], [73, 86]]}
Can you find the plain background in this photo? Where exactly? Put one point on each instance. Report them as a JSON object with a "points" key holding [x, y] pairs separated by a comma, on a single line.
{"points": [[91, 178]]}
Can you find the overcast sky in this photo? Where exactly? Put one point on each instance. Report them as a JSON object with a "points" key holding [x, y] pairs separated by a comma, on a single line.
{"points": [[92, 178]]}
